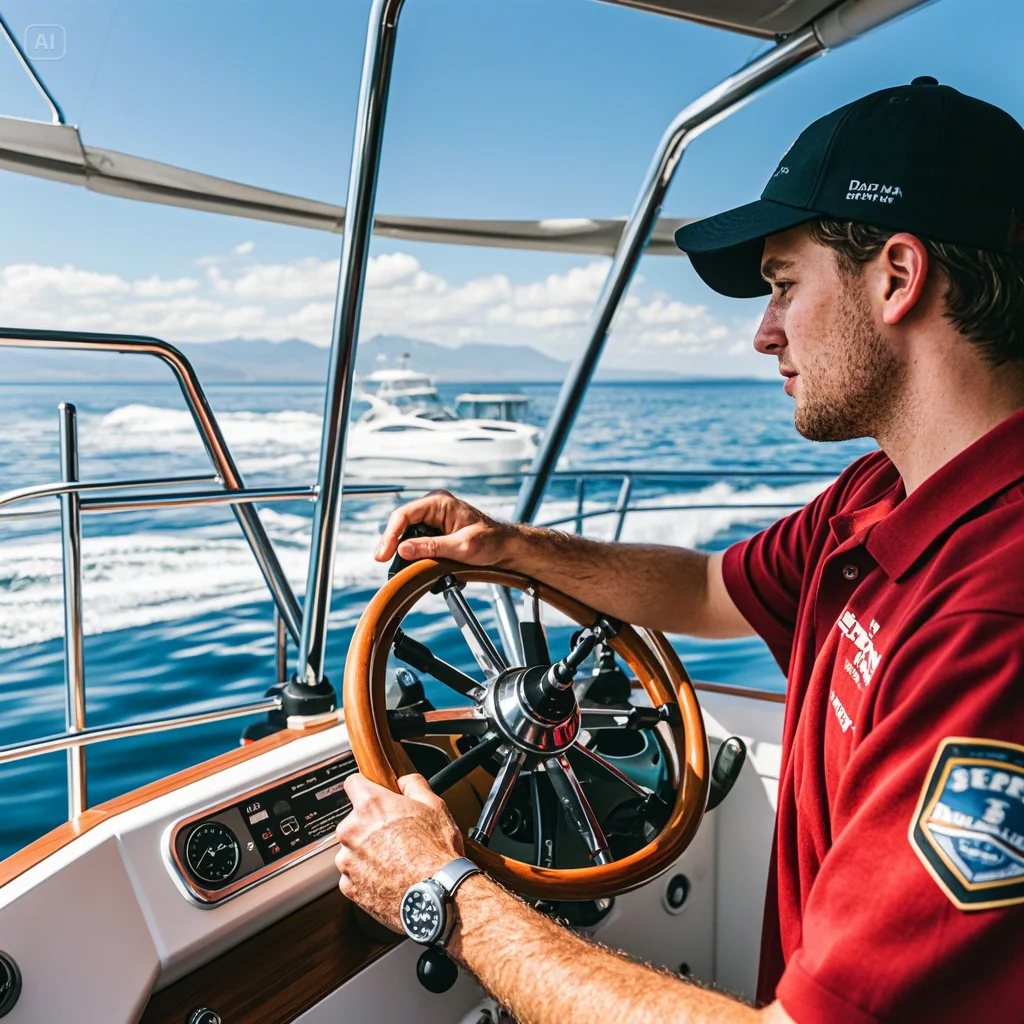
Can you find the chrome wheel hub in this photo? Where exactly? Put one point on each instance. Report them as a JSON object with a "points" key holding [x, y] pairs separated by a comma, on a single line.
{"points": [[544, 726]]}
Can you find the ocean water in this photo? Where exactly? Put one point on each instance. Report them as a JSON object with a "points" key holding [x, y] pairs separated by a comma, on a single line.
{"points": [[177, 617]]}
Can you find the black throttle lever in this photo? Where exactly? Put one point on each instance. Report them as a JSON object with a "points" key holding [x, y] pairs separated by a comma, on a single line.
{"points": [[411, 533], [728, 764]]}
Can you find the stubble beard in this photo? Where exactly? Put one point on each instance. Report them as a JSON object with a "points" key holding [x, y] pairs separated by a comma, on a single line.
{"points": [[853, 388]]}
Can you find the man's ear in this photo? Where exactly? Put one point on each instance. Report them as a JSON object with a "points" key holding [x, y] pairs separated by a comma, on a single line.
{"points": [[902, 273]]}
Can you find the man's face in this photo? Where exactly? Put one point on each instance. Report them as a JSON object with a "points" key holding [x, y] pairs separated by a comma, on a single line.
{"points": [[821, 326]]}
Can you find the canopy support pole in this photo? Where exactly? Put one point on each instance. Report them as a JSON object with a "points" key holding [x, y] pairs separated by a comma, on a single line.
{"points": [[310, 692], [700, 115], [56, 113]]}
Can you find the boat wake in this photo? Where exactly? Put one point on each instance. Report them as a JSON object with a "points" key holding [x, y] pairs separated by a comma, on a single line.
{"points": [[162, 574]]}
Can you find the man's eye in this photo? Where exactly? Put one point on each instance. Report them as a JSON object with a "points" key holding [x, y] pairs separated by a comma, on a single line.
{"points": [[783, 286]]}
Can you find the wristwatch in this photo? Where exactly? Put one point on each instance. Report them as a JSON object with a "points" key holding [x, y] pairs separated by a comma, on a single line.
{"points": [[428, 907]]}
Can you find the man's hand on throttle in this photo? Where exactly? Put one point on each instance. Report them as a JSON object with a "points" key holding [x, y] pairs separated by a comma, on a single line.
{"points": [[390, 841], [470, 536]]}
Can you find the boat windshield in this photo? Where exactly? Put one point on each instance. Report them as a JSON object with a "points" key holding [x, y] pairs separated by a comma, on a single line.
{"points": [[425, 405]]}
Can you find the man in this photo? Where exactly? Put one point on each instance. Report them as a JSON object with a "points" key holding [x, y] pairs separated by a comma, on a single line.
{"points": [[890, 241]]}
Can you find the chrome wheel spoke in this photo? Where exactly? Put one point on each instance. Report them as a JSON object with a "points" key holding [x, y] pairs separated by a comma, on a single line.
{"points": [[412, 652], [614, 772], [592, 718], [577, 809], [498, 797], [491, 662], [545, 825]]}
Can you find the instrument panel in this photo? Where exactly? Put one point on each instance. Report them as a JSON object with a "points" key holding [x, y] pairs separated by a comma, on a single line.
{"points": [[225, 850]]}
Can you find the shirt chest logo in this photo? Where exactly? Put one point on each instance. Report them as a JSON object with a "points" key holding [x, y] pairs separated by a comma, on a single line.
{"points": [[968, 828], [865, 659]]}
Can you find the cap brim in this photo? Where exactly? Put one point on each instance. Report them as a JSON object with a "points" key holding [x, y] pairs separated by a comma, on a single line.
{"points": [[726, 249]]}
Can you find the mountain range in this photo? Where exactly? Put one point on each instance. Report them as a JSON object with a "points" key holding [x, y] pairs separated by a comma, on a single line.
{"points": [[258, 361]]}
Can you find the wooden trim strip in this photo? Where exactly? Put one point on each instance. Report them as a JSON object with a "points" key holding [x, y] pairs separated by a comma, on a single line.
{"points": [[742, 691], [47, 845], [768, 696], [282, 971]]}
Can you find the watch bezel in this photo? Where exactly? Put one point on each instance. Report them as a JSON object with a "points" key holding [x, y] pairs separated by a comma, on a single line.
{"points": [[438, 895]]}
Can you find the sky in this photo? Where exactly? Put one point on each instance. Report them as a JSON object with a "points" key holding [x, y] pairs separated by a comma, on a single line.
{"points": [[499, 109]]}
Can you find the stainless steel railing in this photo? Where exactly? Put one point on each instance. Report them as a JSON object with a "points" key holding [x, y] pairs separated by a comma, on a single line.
{"points": [[72, 498], [626, 500]]}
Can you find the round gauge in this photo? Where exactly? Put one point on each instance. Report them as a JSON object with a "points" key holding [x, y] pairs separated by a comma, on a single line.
{"points": [[422, 914], [212, 852]]}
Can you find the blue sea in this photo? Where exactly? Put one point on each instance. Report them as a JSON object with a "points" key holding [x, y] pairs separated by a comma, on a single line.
{"points": [[178, 620]]}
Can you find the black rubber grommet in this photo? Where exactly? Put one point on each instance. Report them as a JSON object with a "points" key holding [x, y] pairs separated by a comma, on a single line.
{"points": [[298, 698], [10, 983]]}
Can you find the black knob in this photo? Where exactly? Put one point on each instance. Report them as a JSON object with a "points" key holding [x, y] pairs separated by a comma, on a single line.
{"points": [[435, 970], [204, 1016], [10, 984], [925, 80], [677, 892], [729, 761], [411, 532]]}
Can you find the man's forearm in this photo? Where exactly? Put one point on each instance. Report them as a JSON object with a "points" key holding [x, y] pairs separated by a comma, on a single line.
{"points": [[663, 588], [545, 974]]}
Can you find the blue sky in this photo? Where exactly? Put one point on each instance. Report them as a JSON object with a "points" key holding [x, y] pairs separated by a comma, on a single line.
{"points": [[499, 108]]}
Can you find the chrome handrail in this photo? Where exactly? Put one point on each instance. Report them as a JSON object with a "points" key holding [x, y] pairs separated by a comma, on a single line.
{"points": [[169, 499], [100, 734], [23, 494], [715, 105], [209, 432]]}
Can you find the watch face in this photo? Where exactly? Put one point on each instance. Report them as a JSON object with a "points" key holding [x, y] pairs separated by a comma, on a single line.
{"points": [[422, 914]]}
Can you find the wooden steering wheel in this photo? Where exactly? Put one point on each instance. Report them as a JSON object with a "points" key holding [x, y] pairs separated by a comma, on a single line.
{"points": [[529, 718]]}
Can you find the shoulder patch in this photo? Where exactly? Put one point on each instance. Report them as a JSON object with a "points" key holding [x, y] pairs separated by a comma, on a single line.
{"points": [[968, 828]]}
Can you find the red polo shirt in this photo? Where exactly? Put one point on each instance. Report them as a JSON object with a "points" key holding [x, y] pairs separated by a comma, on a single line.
{"points": [[896, 889]]}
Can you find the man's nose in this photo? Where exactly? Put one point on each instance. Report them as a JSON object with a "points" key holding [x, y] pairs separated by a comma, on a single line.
{"points": [[770, 338]]}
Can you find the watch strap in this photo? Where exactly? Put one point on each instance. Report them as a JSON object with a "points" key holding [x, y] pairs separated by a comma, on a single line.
{"points": [[454, 873]]}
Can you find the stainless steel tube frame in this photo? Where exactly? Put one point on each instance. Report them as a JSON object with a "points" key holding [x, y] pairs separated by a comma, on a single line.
{"points": [[378, 60], [209, 430], [56, 114], [104, 733], [700, 115], [74, 660]]}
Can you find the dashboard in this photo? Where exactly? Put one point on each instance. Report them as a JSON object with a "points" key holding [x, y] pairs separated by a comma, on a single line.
{"points": [[225, 850]]}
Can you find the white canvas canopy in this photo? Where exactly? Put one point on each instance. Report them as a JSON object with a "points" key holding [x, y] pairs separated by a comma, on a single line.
{"points": [[839, 19], [56, 151]]}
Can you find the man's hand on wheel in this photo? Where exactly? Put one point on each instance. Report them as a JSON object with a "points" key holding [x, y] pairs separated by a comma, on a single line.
{"points": [[469, 536], [389, 841]]}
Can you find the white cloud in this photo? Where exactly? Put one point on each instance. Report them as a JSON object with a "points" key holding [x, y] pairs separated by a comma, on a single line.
{"points": [[154, 287], [235, 298], [26, 283]]}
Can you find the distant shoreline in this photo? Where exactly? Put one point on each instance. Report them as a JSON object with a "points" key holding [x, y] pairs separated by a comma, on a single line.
{"points": [[628, 382]]}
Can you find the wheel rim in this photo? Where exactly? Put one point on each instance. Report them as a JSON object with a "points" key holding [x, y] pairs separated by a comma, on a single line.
{"points": [[649, 655]]}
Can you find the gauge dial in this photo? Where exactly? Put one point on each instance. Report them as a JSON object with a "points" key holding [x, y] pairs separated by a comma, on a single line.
{"points": [[212, 852]]}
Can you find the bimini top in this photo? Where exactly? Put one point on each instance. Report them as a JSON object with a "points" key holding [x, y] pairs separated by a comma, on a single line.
{"points": [[766, 18]]}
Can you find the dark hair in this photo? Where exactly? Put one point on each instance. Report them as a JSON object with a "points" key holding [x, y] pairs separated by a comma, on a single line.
{"points": [[985, 296]]}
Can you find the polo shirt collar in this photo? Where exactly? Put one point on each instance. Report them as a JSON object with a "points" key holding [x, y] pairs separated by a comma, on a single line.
{"points": [[981, 471]]}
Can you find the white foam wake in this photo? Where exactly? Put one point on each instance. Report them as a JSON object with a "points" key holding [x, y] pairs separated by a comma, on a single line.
{"points": [[163, 575]]}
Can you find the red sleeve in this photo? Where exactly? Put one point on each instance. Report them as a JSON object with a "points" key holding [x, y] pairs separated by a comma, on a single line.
{"points": [[884, 940], [764, 574]]}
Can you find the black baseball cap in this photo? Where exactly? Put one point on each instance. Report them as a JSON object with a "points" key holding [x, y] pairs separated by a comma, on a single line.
{"points": [[922, 158]]}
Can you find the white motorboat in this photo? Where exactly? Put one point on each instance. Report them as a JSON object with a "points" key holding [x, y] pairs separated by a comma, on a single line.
{"points": [[409, 434], [212, 895]]}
